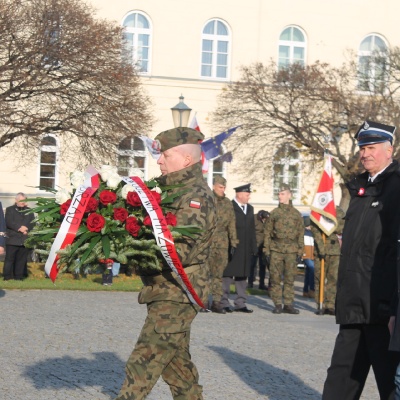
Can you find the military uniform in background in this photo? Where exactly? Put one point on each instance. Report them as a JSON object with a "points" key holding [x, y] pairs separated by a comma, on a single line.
{"points": [[224, 238], [284, 245], [329, 250], [162, 348]]}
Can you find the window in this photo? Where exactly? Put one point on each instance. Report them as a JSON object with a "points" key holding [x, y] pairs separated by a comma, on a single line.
{"points": [[215, 50], [372, 64], [216, 166], [131, 154], [51, 39], [137, 41], [292, 47], [286, 169], [48, 162]]}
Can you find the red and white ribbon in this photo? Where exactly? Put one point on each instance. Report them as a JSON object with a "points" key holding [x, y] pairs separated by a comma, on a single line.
{"points": [[72, 219], [163, 236]]}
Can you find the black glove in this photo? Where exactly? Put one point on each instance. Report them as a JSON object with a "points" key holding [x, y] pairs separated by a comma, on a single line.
{"points": [[231, 253], [321, 256], [299, 259], [267, 259]]}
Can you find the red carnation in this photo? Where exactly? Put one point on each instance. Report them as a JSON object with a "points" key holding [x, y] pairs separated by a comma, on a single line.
{"points": [[147, 221], [64, 207], [95, 222], [107, 197], [120, 214], [91, 205], [170, 218], [132, 226], [133, 199], [157, 197]]}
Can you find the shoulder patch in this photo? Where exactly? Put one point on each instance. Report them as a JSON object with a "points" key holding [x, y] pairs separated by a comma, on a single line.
{"points": [[194, 204]]}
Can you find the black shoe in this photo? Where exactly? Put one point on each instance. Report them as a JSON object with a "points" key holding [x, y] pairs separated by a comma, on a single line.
{"points": [[244, 309], [218, 310], [329, 311], [290, 310], [250, 286], [263, 287], [228, 309], [204, 310], [320, 312], [277, 309]]}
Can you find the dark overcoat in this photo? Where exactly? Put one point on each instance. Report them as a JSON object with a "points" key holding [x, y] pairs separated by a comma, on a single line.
{"points": [[15, 218], [367, 270], [2, 227], [239, 266]]}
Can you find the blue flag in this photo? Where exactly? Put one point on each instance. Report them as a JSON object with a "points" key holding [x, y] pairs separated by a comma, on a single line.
{"points": [[211, 147]]}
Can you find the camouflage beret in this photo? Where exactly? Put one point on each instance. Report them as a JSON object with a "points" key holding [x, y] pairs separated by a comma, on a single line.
{"points": [[284, 187], [219, 180], [177, 136]]}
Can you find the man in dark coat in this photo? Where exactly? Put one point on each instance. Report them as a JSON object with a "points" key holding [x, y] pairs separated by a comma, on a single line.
{"points": [[2, 231], [18, 224], [367, 272], [239, 266]]}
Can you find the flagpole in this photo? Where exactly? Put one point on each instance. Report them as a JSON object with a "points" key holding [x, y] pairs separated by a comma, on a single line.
{"points": [[322, 277]]}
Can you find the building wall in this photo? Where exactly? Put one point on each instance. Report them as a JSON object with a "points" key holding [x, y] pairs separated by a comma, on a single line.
{"points": [[331, 29]]}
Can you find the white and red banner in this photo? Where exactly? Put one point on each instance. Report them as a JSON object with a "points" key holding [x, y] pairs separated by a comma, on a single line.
{"points": [[323, 210], [163, 236], [72, 219], [204, 162]]}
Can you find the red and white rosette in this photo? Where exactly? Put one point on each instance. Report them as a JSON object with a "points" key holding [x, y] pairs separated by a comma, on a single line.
{"points": [[72, 219], [163, 236]]}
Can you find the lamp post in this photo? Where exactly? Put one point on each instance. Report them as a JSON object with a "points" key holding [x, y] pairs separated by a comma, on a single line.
{"points": [[180, 113]]}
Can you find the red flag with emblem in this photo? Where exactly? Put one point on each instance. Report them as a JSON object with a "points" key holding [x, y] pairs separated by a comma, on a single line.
{"points": [[323, 210]]}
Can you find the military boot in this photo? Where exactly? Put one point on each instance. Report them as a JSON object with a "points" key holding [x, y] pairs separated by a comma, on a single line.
{"points": [[290, 310], [320, 311], [216, 308], [277, 309]]}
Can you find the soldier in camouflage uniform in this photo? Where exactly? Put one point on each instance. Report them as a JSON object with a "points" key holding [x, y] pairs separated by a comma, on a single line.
{"points": [[283, 248], [223, 242], [327, 248], [162, 348]]}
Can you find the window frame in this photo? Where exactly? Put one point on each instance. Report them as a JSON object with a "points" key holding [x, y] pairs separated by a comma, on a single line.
{"points": [[132, 153], [215, 38], [49, 148], [291, 45], [136, 32]]}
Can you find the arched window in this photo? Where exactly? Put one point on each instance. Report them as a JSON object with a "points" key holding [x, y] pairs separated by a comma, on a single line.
{"points": [[372, 59], [48, 162], [215, 50], [137, 41], [132, 154], [292, 47], [286, 169]]}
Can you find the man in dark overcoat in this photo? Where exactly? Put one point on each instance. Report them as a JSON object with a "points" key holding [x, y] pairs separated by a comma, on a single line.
{"points": [[367, 272], [18, 224], [238, 268]]}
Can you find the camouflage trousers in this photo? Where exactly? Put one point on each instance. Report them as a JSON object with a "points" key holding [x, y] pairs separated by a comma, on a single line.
{"points": [[331, 266], [218, 263], [163, 350], [283, 267]]}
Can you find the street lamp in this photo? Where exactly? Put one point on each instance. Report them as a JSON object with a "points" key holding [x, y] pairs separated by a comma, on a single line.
{"points": [[181, 113]]}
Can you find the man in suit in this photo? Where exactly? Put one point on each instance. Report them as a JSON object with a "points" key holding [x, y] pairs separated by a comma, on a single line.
{"points": [[238, 268]]}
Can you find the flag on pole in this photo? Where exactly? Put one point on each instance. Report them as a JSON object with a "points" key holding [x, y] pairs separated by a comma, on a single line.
{"points": [[212, 146], [204, 162], [323, 210], [226, 157]]}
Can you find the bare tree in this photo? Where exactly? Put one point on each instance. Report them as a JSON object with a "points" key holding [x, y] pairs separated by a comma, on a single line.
{"points": [[313, 108], [61, 72]]}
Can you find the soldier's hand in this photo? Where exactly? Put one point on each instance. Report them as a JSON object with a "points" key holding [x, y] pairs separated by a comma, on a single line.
{"points": [[322, 256], [299, 259]]}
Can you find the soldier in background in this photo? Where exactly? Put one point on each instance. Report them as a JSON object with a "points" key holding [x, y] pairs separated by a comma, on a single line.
{"points": [[239, 267], [283, 248], [308, 259], [259, 222], [162, 348], [223, 242], [327, 249]]}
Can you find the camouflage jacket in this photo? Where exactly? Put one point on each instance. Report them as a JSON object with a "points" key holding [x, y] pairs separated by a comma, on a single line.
{"points": [[284, 231], [260, 231], [194, 207], [225, 232], [329, 244]]}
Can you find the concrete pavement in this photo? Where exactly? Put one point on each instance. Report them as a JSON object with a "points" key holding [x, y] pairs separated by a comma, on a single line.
{"points": [[74, 345]]}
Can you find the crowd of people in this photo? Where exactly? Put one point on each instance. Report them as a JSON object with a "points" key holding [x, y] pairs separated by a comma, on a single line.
{"points": [[360, 260]]}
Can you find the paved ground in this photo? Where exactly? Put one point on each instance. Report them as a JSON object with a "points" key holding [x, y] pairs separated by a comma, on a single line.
{"points": [[63, 345]]}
